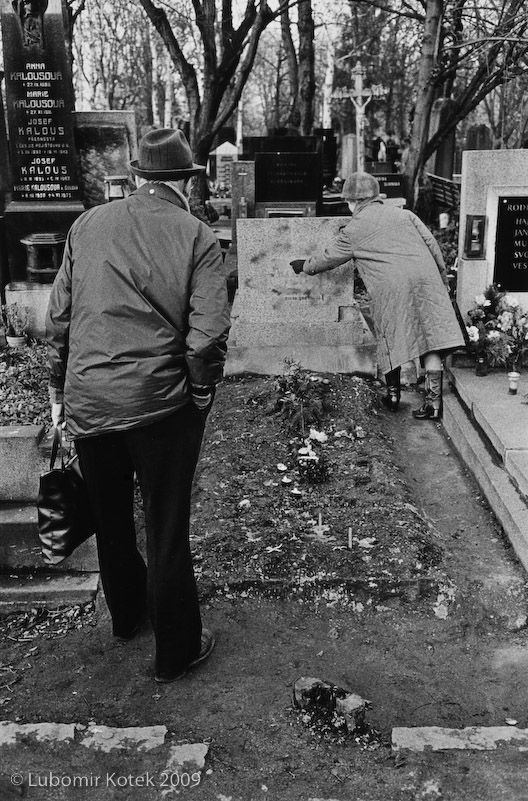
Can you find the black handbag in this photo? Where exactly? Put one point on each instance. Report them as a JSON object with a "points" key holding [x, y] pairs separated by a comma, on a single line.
{"points": [[64, 516]]}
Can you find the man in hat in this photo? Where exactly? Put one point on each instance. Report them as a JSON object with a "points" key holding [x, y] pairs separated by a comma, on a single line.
{"points": [[137, 327], [403, 270]]}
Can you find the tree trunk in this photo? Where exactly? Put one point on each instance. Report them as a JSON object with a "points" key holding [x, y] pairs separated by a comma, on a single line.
{"points": [[328, 85], [147, 57], [156, 119], [278, 82], [425, 97], [305, 26], [169, 94], [293, 118]]}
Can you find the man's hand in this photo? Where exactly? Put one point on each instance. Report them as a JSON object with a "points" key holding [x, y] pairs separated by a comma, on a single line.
{"points": [[297, 265], [57, 414]]}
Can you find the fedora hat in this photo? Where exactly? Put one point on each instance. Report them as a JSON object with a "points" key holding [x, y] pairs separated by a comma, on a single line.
{"points": [[164, 154]]}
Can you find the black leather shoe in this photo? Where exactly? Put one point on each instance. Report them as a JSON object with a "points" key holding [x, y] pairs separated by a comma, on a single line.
{"points": [[427, 412], [206, 649], [391, 400]]}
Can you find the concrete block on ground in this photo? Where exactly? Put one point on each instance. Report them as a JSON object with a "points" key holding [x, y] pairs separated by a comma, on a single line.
{"points": [[188, 758], [474, 738], [111, 738], [15, 733], [21, 462], [20, 549], [352, 707], [309, 691], [21, 592]]}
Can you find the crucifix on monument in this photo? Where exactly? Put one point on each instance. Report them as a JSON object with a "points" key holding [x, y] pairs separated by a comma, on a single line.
{"points": [[360, 97]]}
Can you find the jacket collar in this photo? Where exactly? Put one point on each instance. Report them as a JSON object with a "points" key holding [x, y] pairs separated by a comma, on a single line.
{"points": [[164, 192], [364, 203]]}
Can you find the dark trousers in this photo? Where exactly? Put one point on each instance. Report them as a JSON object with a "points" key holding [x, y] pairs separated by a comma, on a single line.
{"points": [[164, 455]]}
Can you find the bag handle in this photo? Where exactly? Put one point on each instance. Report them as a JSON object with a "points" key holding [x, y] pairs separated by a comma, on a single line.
{"points": [[57, 445]]}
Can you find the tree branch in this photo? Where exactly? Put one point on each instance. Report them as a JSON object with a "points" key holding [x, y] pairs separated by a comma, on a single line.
{"points": [[186, 70]]}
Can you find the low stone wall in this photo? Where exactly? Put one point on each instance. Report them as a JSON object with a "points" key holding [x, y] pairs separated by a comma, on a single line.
{"points": [[36, 298], [21, 462], [24, 455]]}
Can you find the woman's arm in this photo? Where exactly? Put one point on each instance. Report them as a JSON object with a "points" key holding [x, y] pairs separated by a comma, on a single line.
{"points": [[338, 251]]}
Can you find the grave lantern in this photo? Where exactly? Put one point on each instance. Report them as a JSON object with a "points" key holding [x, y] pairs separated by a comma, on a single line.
{"points": [[44, 255]]}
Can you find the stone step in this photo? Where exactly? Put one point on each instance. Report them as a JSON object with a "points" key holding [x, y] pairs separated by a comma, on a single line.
{"points": [[498, 486], [19, 546], [19, 592], [264, 360]]}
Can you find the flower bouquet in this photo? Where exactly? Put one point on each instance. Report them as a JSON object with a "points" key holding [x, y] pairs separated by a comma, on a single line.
{"points": [[512, 322], [488, 320]]}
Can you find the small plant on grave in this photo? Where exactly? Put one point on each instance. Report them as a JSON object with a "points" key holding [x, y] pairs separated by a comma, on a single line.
{"points": [[313, 467], [15, 319], [303, 397]]}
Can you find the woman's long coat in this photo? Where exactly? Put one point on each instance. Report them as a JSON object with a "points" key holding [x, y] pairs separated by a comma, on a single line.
{"points": [[403, 270]]}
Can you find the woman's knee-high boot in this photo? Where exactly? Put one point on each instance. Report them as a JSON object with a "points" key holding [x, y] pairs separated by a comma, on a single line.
{"points": [[431, 409], [393, 392]]}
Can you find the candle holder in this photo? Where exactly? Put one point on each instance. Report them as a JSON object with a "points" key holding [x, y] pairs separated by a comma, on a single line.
{"points": [[513, 379]]}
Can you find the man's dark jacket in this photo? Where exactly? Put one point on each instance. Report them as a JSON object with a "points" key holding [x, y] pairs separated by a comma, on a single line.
{"points": [[138, 313]]}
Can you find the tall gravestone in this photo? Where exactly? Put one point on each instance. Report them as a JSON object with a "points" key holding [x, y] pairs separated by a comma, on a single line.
{"points": [[45, 192], [493, 243], [288, 184]]}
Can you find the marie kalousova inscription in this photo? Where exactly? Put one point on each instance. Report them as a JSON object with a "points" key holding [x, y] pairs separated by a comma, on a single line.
{"points": [[511, 244]]}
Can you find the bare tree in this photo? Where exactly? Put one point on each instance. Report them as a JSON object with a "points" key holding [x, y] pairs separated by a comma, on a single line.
{"points": [[306, 65], [466, 51], [228, 52]]}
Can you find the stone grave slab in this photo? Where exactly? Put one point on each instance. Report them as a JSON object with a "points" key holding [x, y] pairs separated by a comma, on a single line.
{"points": [[277, 315]]}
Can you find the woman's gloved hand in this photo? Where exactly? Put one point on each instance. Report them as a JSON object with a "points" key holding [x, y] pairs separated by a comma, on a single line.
{"points": [[297, 265]]}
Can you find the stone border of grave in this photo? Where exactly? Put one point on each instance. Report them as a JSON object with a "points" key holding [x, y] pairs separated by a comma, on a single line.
{"points": [[22, 459], [25, 580]]}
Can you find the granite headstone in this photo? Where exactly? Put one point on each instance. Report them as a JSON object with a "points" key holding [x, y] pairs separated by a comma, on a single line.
{"points": [[45, 191], [288, 177]]}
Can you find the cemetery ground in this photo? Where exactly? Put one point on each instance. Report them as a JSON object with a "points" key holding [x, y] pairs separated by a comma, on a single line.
{"points": [[389, 578]]}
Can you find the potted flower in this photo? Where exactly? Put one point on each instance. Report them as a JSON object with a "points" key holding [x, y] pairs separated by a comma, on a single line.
{"points": [[489, 341], [15, 319]]}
